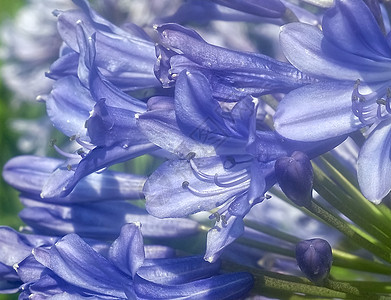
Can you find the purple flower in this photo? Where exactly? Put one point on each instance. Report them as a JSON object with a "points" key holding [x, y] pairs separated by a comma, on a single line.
{"points": [[125, 57], [72, 268], [224, 161], [232, 74], [351, 59], [108, 134]]}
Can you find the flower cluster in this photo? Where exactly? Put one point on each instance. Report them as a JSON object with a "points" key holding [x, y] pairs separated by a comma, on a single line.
{"points": [[253, 154]]}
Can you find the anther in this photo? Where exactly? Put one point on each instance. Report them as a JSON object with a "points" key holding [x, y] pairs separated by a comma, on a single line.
{"points": [[190, 156], [224, 220], [52, 142], [185, 184], [216, 215]]}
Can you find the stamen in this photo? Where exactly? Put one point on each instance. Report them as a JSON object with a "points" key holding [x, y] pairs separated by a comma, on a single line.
{"points": [[190, 156], [224, 220], [86, 145], [214, 192], [366, 108], [239, 180], [216, 215], [66, 154], [212, 178]]}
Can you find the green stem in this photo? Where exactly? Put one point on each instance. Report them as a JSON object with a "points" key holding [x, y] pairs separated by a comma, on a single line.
{"points": [[340, 258], [347, 205], [266, 280], [377, 249], [359, 201]]}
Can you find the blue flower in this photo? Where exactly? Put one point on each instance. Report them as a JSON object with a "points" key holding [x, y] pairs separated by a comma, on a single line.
{"points": [[351, 58], [232, 74], [96, 208], [102, 118], [125, 57], [224, 161], [72, 267]]}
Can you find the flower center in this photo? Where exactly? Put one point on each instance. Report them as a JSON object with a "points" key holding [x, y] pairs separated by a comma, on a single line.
{"points": [[372, 107]]}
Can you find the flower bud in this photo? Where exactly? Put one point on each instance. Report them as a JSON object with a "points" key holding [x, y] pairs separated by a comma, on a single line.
{"points": [[295, 177], [314, 258]]}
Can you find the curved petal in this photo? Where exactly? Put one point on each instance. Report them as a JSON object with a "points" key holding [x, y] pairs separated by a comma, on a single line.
{"points": [[161, 127], [226, 286], [127, 251], [317, 112], [64, 179], [195, 107], [77, 263], [374, 163], [174, 181], [178, 270], [351, 26], [307, 49], [68, 106], [220, 237]]}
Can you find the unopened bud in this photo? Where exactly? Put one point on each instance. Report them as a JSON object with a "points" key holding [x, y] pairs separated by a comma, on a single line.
{"points": [[314, 258], [295, 177]]}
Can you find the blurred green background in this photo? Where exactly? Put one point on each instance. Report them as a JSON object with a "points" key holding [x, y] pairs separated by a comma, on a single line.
{"points": [[9, 203]]}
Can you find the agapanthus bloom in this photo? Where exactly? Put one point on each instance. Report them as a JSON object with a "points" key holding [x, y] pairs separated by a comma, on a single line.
{"points": [[350, 57], [224, 161], [174, 183]]}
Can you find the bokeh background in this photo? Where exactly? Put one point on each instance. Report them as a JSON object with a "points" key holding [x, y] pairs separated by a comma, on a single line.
{"points": [[9, 203]]}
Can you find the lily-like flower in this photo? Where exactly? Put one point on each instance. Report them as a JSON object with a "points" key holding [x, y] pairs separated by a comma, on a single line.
{"points": [[73, 268], [102, 118], [232, 74], [125, 57], [96, 208], [351, 58], [224, 161]]}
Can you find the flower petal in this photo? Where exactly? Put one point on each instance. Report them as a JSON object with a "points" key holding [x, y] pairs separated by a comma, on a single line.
{"points": [[307, 49], [78, 264], [351, 26], [177, 270], [227, 286], [166, 188], [317, 112], [127, 251], [374, 163]]}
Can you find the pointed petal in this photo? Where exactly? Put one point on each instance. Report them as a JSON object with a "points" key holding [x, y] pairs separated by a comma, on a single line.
{"points": [[177, 270], [166, 188], [317, 112], [78, 264], [64, 179], [374, 163], [127, 251], [307, 49], [220, 237], [195, 107], [351, 26], [109, 125], [69, 105], [227, 286]]}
